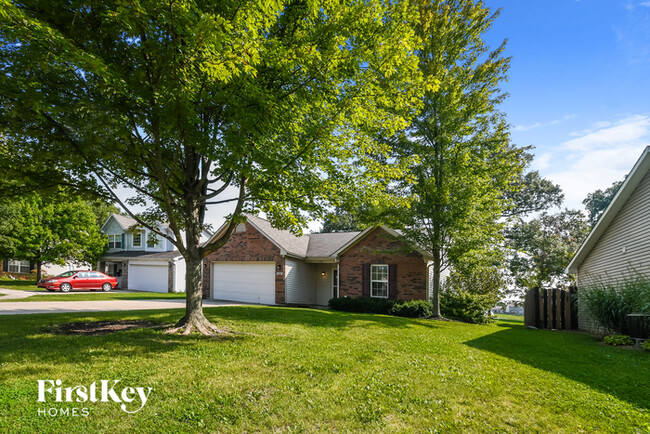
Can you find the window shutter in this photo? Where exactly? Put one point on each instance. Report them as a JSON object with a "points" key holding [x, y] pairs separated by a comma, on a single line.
{"points": [[392, 281], [366, 280], [123, 245], [5, 265]]}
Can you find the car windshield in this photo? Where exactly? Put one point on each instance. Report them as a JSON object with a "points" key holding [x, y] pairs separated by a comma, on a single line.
{"points": [[66, 274]]}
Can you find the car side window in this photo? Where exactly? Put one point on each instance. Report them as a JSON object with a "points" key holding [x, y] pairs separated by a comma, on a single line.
{"points": [[96, 275], [82, 275]]}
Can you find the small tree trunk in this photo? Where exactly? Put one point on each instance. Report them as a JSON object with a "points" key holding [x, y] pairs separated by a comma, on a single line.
{"points": [[39, 264], [435, 296]]}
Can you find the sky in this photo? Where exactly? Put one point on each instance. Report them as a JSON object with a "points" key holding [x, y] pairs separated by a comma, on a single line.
{"points": [[579, 88]]}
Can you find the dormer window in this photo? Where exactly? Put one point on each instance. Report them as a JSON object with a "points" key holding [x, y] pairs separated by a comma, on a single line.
{"points": [[115, 241], [137, 239]]}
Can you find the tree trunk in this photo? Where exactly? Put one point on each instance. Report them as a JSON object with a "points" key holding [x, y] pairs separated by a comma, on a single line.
{"points": [[435, 296], [39, 264], [194, 320]]}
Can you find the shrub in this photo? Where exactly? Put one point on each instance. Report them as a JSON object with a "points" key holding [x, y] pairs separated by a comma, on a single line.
{"points": [[617, 340], [609, 304], [467, 307], [413, 309], [646, 345], [362, 304]]}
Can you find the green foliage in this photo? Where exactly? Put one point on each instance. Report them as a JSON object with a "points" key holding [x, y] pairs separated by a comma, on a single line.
{"points": [[532, 193], [596, 202], [646, 345], [362, 304], [610, 303], [617, 340], [412, 309], [51, 229], [461, 159], [542, 247], [341, 220], [467, 307], [480, 280], [178, 101]]}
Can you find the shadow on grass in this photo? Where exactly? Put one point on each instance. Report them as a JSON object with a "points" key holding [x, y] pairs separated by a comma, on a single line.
{"points": [[312, 317], [31, 338], [620, 372]]}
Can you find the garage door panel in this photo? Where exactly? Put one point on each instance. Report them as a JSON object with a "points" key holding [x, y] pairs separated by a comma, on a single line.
{"points": [[152, 278], [245, 282]]}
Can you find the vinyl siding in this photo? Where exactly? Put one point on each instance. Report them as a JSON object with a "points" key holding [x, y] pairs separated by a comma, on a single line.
{"points": [[607, 262], [299, 282]]}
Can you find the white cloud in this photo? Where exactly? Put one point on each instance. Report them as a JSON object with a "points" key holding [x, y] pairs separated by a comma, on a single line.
{"points": [[646, 4], [625, 131], [543, 124], [599, 157]]}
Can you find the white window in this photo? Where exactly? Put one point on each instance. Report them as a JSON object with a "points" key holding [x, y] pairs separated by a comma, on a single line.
{"points": [[137, 239], [379, 281], [115, 241], [16, 266]]}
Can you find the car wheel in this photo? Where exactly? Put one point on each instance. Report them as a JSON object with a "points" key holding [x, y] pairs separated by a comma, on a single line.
{"points": [[106, 287], [66, 287]]}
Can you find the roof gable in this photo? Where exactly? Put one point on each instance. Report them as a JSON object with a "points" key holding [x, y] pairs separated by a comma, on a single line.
{"points": [[636, 175]]}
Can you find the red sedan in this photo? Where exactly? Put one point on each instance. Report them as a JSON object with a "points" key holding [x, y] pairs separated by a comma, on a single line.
{"points": [[80, 280]]}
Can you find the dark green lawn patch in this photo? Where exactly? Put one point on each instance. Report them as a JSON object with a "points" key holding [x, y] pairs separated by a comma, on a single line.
{"points": [[89, 328], [292, 369]]}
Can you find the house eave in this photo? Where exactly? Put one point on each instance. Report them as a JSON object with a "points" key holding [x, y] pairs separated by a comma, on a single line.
{"points": [[641, 167]]}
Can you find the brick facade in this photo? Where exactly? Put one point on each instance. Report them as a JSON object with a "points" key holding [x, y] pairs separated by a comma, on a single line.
{"points": [[249, 245], [379, 247]]}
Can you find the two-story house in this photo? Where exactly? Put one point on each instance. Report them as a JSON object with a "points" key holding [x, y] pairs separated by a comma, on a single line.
{"points": [[139, 259]]}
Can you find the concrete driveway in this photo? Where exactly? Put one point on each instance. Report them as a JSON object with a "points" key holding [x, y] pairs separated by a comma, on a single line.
{"points": [[27, 307]]}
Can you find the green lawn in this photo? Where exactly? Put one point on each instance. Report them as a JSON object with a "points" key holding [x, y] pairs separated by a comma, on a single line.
{"points": [[21, 285], [316, 370], [92, 295], [44, 295]]}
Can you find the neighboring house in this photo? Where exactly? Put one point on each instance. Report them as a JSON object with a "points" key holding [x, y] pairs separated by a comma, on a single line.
{"points": [[618, 246], [261, 264], [140, 261], [16, 266]]}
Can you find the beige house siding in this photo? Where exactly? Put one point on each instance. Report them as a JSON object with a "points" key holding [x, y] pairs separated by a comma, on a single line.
{"points": [[623, 249], [299, 282]]}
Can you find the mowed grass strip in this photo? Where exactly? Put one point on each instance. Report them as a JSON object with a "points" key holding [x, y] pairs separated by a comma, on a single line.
{"points": [[316, 370], [44, 295], [98, 295]]}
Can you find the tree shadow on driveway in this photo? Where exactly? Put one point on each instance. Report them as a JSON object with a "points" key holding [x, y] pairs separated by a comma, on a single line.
{"points": [[621, 372]]}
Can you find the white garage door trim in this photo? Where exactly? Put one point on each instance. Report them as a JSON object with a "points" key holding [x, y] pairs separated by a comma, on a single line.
{"points": [[247, 282], [148, 277]]}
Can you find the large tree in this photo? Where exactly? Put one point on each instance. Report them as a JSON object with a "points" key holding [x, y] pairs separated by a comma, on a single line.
{"points": [[266, 105], [542, 247], [595, 203], [54, 229], [461, 160]]}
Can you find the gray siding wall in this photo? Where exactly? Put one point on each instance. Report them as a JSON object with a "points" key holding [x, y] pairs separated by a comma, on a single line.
{"points": [[622, 250], [299, 283], [323, 283]]}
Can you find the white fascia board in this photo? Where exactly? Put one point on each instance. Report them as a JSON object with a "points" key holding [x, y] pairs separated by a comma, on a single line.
{"points": [[632, 180]]}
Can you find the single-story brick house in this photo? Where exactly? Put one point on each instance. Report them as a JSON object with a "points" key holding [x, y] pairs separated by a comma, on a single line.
{"points": [[618, 245], [261, 264]]}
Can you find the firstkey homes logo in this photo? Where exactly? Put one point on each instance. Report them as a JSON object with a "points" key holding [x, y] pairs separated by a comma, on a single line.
{"points": [[130, 399]]}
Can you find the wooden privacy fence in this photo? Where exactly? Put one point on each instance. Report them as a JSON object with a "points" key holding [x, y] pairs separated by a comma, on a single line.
{"points": [[551, 308]]}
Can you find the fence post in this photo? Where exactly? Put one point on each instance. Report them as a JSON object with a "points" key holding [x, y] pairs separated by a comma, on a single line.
{"points": [[531, 309]]}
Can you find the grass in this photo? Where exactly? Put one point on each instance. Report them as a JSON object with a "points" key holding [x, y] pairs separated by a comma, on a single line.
{"points": [[44, 295], [19, 285], [97, 295], [316, 370]]}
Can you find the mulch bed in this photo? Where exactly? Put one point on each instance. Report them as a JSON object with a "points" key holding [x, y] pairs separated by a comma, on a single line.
{"points": [[101, 327]]}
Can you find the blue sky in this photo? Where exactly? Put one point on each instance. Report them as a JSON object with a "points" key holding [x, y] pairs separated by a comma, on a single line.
{"points": [[579, 86]]}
